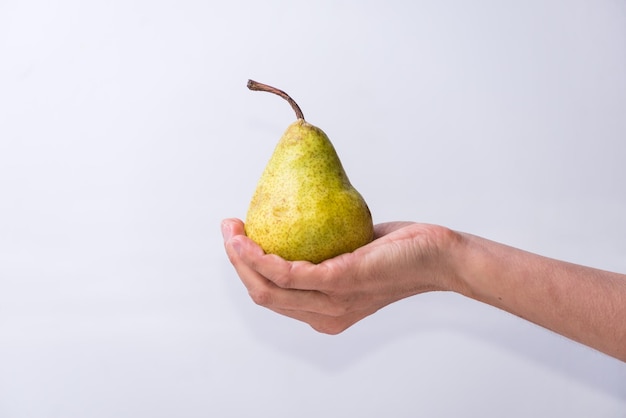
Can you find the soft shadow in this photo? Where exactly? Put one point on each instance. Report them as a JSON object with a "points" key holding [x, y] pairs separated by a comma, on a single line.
{"points": [[545, 348], [434, 313], [297, 339]]}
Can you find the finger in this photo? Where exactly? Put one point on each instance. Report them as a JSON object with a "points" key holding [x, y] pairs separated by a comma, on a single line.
{"points": [[251, 262], [231, 227], [296, 275], [300, 275], [324, 276], [252, 266], [326, 324], [266, 293], [234, 239], [234, 246]]}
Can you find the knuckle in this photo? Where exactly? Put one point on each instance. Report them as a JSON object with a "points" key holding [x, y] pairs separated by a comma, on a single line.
{"points": [[329, 327], [338, 309], [260, 296], [340, 304], [283, 280], [282, 274]]}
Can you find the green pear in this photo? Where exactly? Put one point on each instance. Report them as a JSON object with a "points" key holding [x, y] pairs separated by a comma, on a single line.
{"points": [[304, 207]]}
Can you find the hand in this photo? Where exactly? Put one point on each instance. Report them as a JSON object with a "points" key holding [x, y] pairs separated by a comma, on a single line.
{"points": [[405, 259]]}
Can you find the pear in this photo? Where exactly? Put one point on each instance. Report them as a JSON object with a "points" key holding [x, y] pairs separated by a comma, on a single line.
{"points": [[304, 206]]}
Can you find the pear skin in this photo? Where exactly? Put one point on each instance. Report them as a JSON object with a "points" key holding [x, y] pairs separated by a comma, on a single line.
{"points": [[304, 206]]}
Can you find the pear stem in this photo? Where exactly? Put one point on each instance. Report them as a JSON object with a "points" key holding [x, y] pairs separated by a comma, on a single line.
{"points": [[256, 86]]}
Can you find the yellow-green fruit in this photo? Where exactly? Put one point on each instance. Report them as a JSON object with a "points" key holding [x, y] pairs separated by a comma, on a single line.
{"points": [[304, 207]]}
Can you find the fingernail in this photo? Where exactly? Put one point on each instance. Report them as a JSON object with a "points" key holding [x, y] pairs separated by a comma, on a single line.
{"points": [[227, 232]]}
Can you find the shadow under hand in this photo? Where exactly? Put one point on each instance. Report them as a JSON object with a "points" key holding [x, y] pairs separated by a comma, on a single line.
{"points": [[540, 346], [299, 340], [428, 314]]}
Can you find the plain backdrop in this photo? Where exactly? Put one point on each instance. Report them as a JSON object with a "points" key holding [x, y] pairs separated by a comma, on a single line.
{"points": [[127, 133]]}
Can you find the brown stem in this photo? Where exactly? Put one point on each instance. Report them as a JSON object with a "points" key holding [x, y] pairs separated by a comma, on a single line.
{"points": [[256, 86]]}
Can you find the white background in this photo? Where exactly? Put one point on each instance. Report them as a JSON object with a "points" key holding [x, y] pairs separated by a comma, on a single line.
{"points": [[127, 133]]}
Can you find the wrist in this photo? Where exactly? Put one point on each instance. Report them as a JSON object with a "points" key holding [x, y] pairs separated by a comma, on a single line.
{"points": [[444, 258], [486, 271], [466, 265]]}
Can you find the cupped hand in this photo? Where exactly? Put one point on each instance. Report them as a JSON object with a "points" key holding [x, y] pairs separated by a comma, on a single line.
{"points": [[405, 259]]}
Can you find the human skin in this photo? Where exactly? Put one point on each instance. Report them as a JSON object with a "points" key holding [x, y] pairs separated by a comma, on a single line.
{"points": [[585, 304]]}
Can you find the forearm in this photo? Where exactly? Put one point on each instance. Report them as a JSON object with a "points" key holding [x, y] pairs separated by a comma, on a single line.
{"points": [[581, 303]]}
